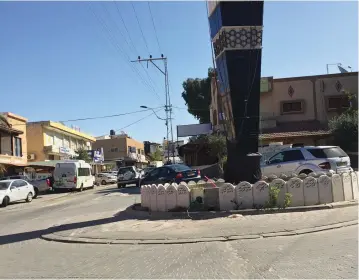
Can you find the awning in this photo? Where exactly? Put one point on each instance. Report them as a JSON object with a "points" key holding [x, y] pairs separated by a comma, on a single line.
{"points": [[46, 163], [294, 134]]}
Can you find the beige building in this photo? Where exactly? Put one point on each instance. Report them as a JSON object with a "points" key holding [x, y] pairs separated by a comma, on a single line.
{"points": [[121, 149], [13, 144], [296, 109], [48, 140]]}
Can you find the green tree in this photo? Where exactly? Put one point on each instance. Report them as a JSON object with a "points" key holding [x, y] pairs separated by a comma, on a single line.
{"points": [[2, 170], [156, 155], [344, 127], [197, 95], [83, 155], [218, 148]]}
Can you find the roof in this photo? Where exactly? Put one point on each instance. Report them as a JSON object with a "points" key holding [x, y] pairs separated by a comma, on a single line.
{"points": [[281, 135], [64, 128], [295, 129]]}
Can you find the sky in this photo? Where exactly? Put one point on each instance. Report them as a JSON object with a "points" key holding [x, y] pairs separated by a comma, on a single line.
{"points": [[69, 60]]}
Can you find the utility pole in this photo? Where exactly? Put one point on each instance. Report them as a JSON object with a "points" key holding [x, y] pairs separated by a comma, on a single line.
{"points": [[168, 106]]}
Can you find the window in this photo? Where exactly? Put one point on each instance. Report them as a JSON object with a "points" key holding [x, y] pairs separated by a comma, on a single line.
{"points": [[139, 151], [114, 150], [164, 172], [51, 157], [18, 147], [292, 155], [84, 172], [276, 158], [327, 152], [337, 103], [21, 183], [292, 107]]}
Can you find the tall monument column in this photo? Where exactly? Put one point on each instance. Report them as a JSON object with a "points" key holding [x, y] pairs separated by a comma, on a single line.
{"points": [[236, 33]]}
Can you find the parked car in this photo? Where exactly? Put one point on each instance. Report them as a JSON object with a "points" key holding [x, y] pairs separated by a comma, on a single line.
{"points": [[40, 186], [147, 170], [105, 178], [15, 190], [307, 159], [128, 175], [172, 173]]}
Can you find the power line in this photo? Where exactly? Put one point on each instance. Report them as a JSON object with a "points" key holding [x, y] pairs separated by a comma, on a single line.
{"points": [[118, 48], [102, 117], [139, 25], [154, 26], [141, 119], [133, 48]]}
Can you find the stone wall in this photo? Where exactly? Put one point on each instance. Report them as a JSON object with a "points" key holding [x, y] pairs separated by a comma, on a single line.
{"points": [[305, 190]]}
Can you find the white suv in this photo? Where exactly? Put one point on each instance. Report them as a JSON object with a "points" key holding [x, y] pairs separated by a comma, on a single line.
{"points": [[306, 160], [128, 175]]}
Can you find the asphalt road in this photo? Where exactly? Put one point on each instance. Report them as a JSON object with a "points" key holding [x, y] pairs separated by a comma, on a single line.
{"points": [[328, 254]]}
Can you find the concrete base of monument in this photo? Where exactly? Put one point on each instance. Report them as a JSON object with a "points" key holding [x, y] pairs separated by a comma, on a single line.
{"points": [[141, 227], [196, 214]]}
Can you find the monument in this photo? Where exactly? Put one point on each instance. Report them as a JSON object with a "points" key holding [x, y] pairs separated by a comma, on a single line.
{"points": [[236, 34]]}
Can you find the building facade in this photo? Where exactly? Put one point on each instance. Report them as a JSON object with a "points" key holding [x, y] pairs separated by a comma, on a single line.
{"points": [[121, 149], [48, 140], [294, 110], [13, 143], [151, 147]]}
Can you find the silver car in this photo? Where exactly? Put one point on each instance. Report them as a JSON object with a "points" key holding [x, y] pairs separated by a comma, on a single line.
{"points": [[306, 160], [105, 178]]}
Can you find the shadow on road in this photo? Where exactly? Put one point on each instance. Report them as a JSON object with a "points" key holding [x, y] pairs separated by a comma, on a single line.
{"points": [[127, 190], [25, 236]]}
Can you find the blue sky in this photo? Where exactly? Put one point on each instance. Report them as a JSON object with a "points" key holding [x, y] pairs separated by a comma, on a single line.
{"points": [[57, 61]]}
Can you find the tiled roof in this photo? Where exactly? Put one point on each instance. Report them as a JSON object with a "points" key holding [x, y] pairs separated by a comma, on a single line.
{"points": [[295, 129], [279, 135]]}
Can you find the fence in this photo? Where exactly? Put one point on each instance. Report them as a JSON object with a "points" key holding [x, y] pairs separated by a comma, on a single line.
{"points": [[305, 190]]}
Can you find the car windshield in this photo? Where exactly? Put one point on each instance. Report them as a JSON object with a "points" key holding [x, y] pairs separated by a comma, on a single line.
{"points": [[124, 170], [179, 167], [4, 185], [328, 152]]}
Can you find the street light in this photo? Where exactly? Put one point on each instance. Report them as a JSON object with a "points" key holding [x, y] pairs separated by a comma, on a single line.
{"points": [[145, 107]]}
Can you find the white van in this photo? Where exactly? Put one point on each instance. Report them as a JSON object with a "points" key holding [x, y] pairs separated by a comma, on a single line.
{"points": [[73, 174]]}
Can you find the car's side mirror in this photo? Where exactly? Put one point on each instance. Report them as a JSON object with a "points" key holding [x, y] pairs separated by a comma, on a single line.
{"points": [[12, 188]]}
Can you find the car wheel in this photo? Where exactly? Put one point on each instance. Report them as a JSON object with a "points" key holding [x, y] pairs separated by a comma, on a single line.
{"points": [[82, 188], [119, 186], [29, 197], [5, 201], [36, 192], [103, 182], [306, 172]]}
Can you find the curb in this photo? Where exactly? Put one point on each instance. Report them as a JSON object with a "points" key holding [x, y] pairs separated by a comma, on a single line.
{"points": [[67, 239], [135, 211]]}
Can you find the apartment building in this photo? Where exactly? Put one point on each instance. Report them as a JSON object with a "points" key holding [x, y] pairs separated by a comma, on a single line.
{"points": [[151, 147], [121, 149], [295, 109], [48, 140], [13, 144]]}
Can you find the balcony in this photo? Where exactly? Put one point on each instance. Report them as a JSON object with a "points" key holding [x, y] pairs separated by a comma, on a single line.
{"points": [[53, 149]]}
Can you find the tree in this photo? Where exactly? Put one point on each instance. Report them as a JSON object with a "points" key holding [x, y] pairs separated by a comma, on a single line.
{"points": [[218, 148], [156, 155], [2, 170], [344, 127], [83, 155], [197, 95]]}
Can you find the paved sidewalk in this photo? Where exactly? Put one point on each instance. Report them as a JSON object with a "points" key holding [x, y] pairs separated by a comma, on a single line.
{"points": [[129, 228]]}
